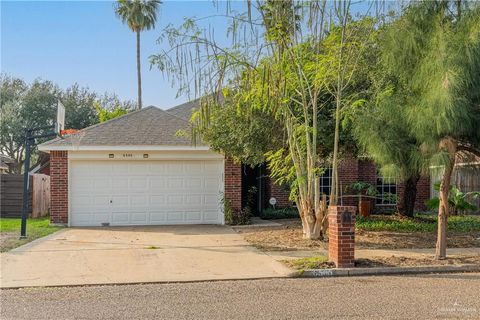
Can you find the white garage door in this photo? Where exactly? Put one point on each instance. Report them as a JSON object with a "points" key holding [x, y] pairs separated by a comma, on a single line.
{"points": [[145, 192]]}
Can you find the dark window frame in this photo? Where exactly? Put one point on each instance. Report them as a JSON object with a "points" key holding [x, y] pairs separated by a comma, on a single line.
{"points": [[383, 187]]}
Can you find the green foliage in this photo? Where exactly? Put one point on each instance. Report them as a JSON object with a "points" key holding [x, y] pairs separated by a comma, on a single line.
{"points": [[139, 15], [79, 107], [364, 188], [420, 223], [282, 170], [433, 59], [387, 223], [426, 104], [228, 212], [288, 77], [234, 129], [281, 213], [464, 223], [232, 217], [29, 105], [457, 200], [105, 114], [317, 262], [24, 106]]}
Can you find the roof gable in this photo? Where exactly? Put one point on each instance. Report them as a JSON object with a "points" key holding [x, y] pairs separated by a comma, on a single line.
{"points": [[150, 126]]}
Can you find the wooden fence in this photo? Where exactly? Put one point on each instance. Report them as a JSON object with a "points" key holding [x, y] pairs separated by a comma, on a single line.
{"points": [[465, 177], [40, 194], [11, 195]]}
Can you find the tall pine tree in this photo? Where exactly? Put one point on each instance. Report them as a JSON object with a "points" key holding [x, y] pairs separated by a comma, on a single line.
{"points": [[433, 54]]}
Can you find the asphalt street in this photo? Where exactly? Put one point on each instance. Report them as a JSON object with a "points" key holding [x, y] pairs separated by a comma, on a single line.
{"points": [[447, 296]]}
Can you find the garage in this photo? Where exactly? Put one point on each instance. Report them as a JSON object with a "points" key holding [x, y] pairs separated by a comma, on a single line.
{"points": [[145, 192], [138, 170]]}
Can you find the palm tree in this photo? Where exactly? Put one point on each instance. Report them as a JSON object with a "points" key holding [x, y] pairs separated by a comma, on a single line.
{"points": [[139, 15]]}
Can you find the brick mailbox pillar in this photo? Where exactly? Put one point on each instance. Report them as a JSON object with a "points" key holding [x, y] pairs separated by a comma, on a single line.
{"points": [[341, 235]]}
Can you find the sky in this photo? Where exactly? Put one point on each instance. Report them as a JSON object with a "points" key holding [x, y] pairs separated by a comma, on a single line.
{"points": [[84, 42]]}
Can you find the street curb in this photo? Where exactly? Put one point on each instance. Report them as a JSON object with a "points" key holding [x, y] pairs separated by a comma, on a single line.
{"points": [[353, 272], [134, 283]]}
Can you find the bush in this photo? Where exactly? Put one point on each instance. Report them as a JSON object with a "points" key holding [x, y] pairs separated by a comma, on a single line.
{"points": [[227, 211], [235, 218], [420, 223], [283, 213]]}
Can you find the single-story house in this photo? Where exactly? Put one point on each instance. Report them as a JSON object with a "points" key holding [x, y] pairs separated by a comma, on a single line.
{"points": [[137, 170]]}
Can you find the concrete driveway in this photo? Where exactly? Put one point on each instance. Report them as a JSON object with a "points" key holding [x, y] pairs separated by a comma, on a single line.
{"points": [[79, 256]]}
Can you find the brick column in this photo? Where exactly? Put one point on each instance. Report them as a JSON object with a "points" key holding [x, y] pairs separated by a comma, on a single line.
{"points": [[59, 187], [233, 183], [341, 235]]}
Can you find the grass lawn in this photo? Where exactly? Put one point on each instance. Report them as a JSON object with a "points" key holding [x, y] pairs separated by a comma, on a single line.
{"points": [[315, 262], [10, 231], [420, 223]]}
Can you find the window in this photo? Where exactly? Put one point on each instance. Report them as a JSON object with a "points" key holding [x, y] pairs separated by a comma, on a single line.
{"points": [[326, 182], [387, 191]]}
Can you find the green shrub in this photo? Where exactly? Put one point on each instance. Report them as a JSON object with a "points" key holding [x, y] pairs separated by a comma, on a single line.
{"points": [[227, 210], [420, 223], [283, 213], [457, 200], [234, 218], [463, 223]]}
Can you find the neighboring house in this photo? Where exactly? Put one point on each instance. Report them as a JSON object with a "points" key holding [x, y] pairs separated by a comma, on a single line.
{"points": [[6, 164], [43, 164], [137, 170]]}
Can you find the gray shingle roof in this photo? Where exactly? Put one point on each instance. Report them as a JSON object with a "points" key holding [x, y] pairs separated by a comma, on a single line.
{"points": [[147, 127], [185, 110]]}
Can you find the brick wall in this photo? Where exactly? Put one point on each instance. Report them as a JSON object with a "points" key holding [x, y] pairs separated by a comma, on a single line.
{"points": [[59, 187], [233, 183], [367, 172], [352, 170], [423, 193], [279, 193]]}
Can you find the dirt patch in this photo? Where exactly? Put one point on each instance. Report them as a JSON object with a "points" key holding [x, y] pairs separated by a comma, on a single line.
{"points": [[378, 262], [414, 240], [396, 261], [289, 236], [8, 240]]}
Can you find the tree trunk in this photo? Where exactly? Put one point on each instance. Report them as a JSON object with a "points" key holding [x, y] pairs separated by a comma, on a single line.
{"points": [[334, 185], [314, 220], [450, 146], [139, 74], [406, 203]]}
